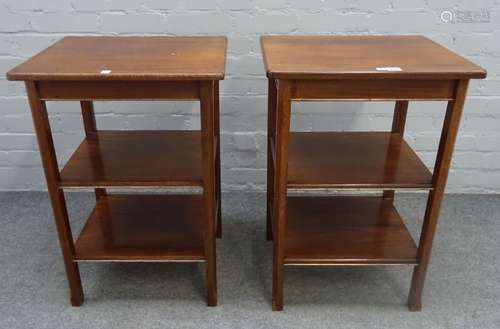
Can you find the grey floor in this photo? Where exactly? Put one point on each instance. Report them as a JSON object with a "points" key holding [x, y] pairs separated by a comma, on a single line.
{"points": [[462, 289]]}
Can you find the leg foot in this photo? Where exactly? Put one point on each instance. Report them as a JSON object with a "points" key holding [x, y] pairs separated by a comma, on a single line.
{"points": [[277, 306], [417, 286], [278, 282], [414, 306], [212, 300], [76, 300]]}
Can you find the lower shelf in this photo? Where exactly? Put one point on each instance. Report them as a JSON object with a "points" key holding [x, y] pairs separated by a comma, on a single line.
{"points": [[132, 228], [346, 231]]}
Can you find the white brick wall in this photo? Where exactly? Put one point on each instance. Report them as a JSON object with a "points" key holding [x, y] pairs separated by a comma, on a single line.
{"points": [[27, 26]]}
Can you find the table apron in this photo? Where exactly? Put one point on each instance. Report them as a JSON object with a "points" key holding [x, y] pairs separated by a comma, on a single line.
{"points": [[118, 90], [381, 89]]}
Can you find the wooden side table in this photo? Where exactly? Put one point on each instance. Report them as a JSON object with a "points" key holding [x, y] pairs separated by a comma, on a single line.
{"points": [[355, 230], [133, 227]]}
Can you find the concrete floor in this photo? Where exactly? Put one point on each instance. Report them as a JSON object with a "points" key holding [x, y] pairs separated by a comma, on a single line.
{"points": [[462, 288]]}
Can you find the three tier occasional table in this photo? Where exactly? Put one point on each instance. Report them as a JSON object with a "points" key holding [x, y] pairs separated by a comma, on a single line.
{"points": [[355, 230], [147, 227]]}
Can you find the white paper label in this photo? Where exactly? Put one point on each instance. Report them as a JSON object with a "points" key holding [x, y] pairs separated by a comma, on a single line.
{"points": [[389, 68], [105, 71]]}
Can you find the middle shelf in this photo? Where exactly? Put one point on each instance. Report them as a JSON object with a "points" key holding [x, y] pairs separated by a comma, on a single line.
{"points": [[354, 160], [149, 158]]}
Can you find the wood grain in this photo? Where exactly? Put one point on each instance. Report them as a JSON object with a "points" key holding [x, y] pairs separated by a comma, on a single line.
{"points": [[271, 158], [443, 161], [346, 57], [284, 108], [127, 228], [356, 230], [49, 161], [90, 126], [208, 151], [133, 228], [368, 160], [398, 126], [135, 158], [361, 89], [118, 90], [128, 58], [346, 231]]}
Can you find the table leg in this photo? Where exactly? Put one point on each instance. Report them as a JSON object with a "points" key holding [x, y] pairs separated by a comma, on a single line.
{"points": [[209, 193], [271, 138], [217, 158], [443, 159], [51, 169], [280, 190], [90, 126], [398, 126]]}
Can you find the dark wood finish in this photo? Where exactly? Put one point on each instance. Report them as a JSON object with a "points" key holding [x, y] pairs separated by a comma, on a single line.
{"points": [[398, 126], [135, 158], [346, 231], [139, 228], [134, 227], [442, 166], [399, 118], [368, 160], [119, 90], [217, 159], [402, 89], [280, 179], [49, 161], [355, 230], [209, 190], [88, 115], [271, 132], [90, 127], [346, 57], [128, 58]]}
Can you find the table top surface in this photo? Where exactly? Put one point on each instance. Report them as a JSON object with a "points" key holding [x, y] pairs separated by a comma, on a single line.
{"points": [[127, 58], [332, 57]]}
